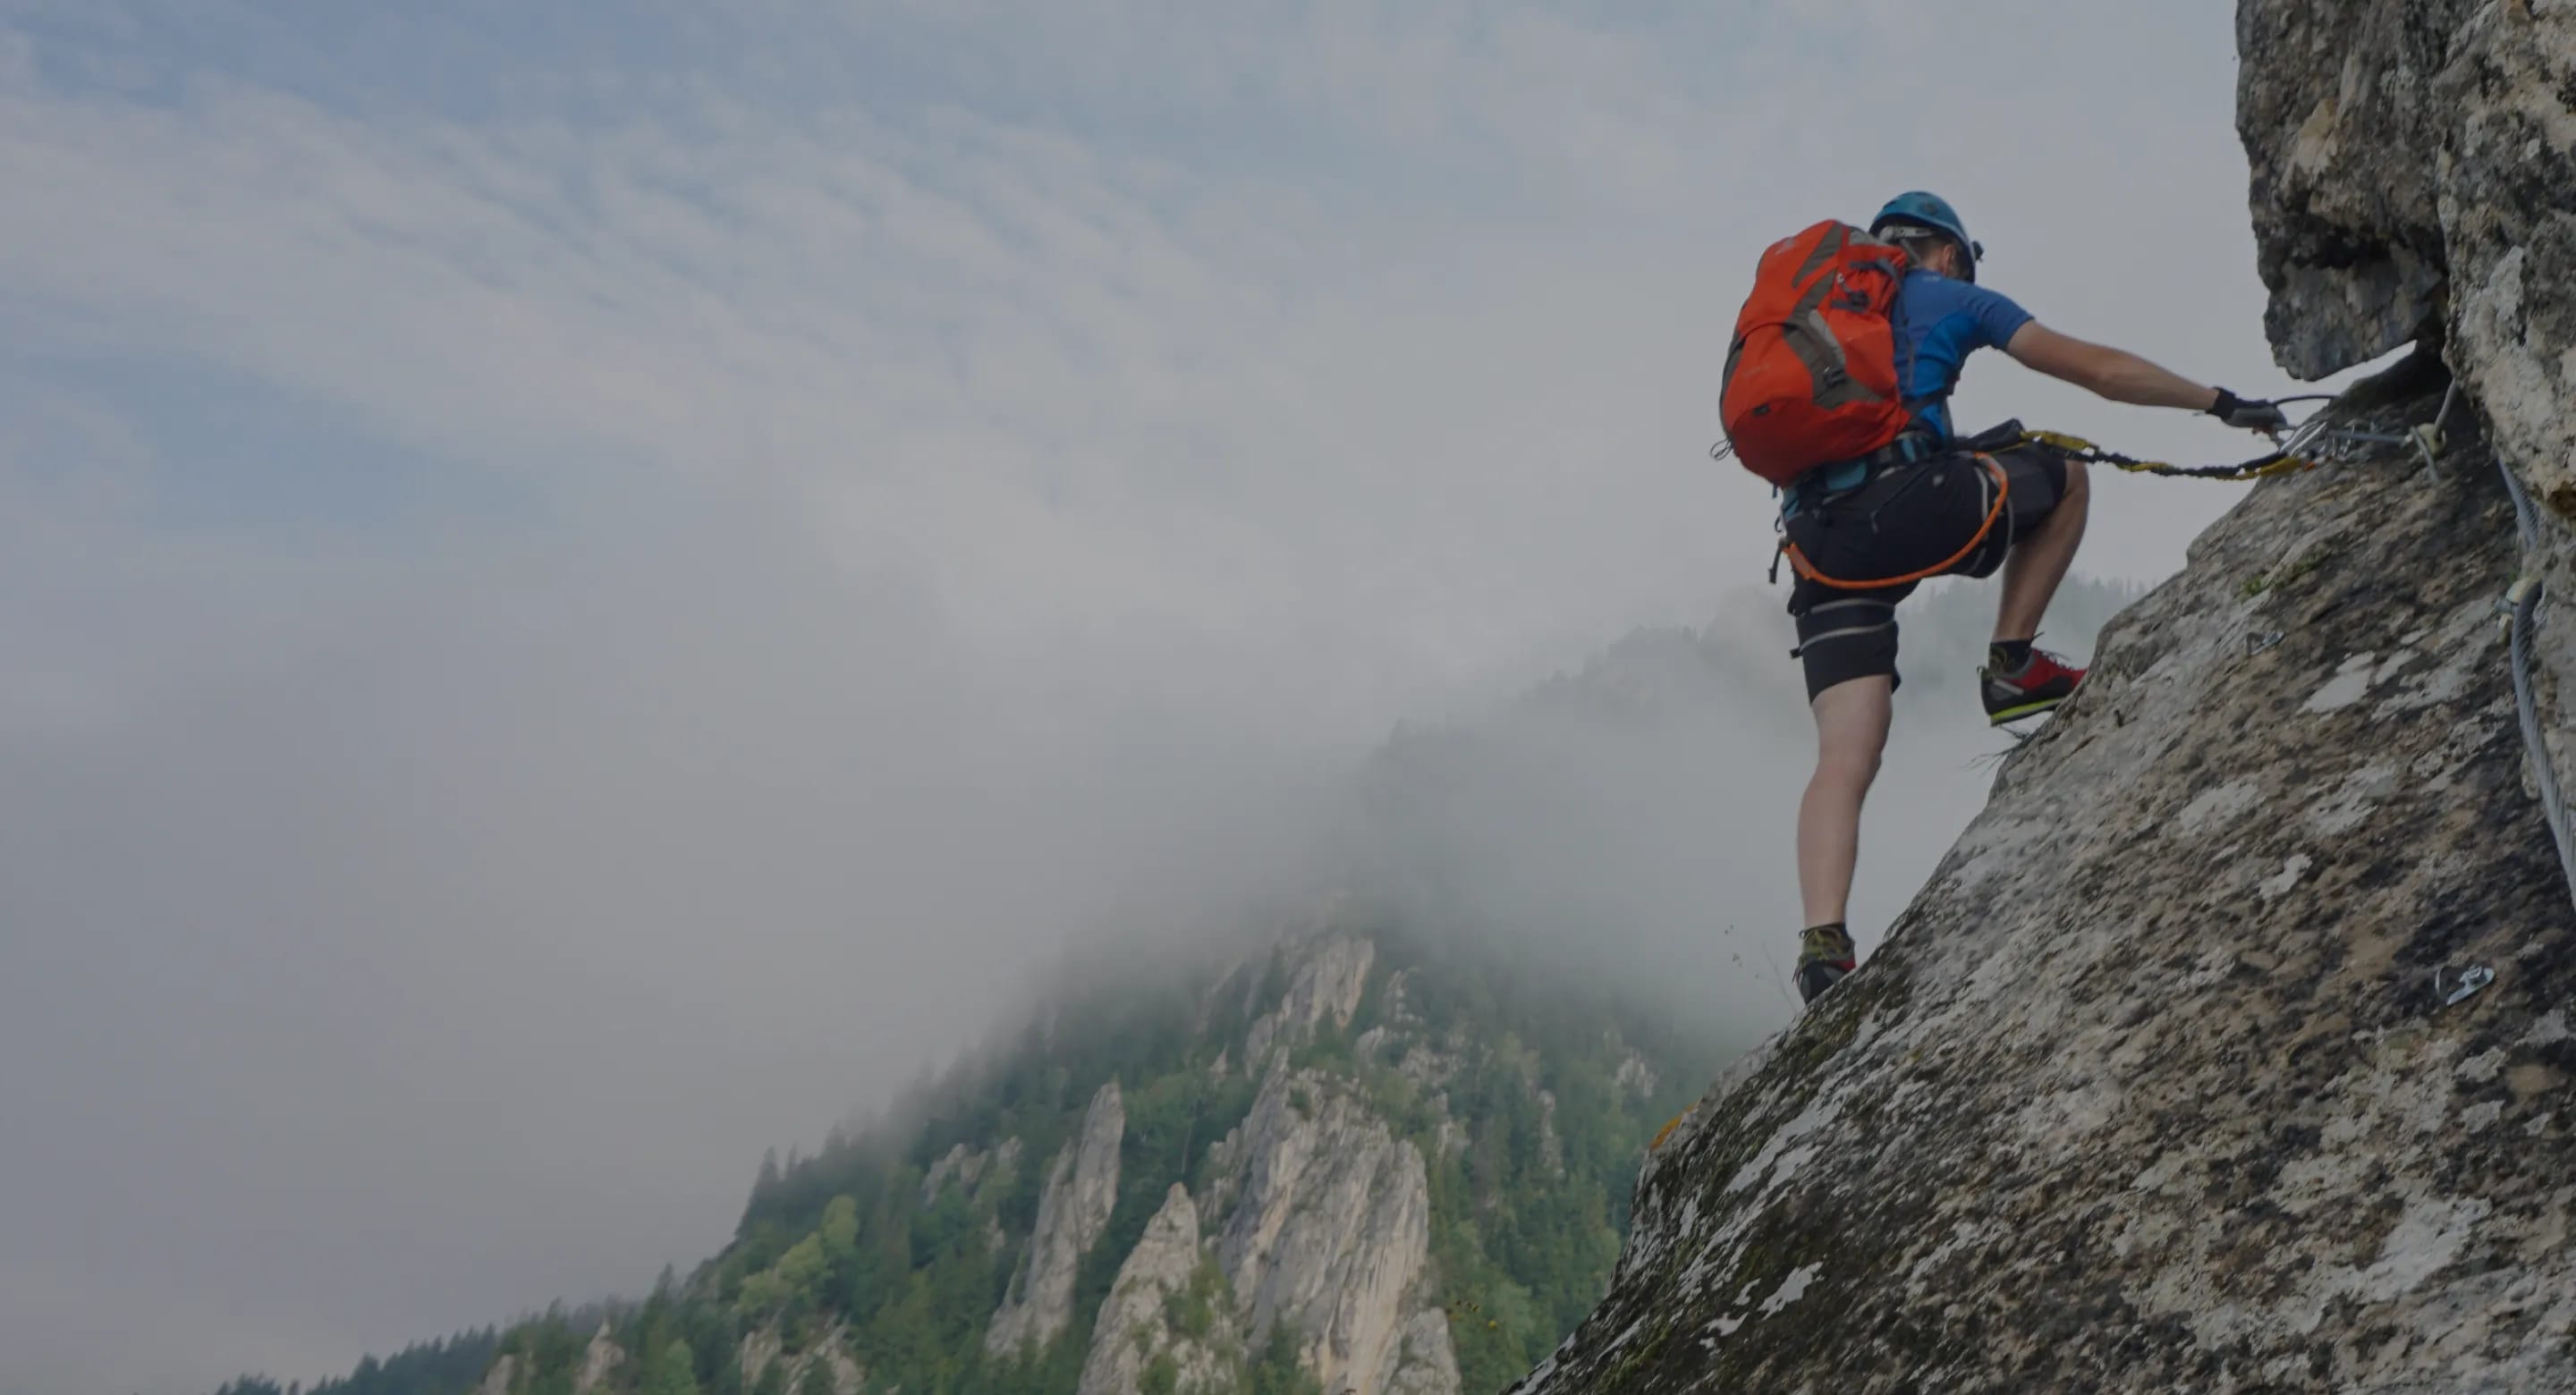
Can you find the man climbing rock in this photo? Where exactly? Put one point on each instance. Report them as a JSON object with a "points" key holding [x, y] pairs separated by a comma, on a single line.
{"points": [[1865, 531]]}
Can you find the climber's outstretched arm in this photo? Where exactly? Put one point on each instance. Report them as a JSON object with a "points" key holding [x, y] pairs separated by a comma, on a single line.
{"points": [[2107, 372]]}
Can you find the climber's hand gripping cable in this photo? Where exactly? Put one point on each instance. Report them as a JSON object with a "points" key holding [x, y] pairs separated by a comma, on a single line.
{"points": [[2252, 414]]}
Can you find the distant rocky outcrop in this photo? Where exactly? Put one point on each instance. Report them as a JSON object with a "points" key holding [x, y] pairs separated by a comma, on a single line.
{"points": [[599, 1362], [825, 1356], [968, 1167], [1636, 1075], [841, 1368], [1326, 987], [1328, 1229], [1081, 1189], [1247, 1177], [1169, 1306]]}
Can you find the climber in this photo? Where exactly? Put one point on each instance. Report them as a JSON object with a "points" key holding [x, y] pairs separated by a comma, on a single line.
{"points": [[1919, 504]]}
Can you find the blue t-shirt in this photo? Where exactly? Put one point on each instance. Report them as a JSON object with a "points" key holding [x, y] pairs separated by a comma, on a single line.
{"points": [[1939, 322]]}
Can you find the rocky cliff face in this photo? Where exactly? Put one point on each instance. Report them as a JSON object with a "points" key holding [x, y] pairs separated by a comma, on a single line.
{"points": [[1168, 1307], [2412, 166], [821, 1363], [1322, 1228], [1080, 1192], [1319, 1215], [2231, 1048], [599, 1362], [1330, 1230], [1326, 988]]}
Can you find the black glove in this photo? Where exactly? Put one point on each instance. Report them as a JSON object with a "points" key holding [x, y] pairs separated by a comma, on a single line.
{"points": [[2256, 415]]}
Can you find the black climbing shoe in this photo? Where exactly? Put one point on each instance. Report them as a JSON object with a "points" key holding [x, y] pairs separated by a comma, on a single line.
{"points": [[2038, 685], [1825, 954]]}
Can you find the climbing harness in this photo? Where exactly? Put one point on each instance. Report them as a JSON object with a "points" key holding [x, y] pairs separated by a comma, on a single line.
{"points": [[2003, 490], [2288, 459]]}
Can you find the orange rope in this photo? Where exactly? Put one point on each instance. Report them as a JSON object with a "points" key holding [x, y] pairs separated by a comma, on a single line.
{"points": [[2003, 490]]}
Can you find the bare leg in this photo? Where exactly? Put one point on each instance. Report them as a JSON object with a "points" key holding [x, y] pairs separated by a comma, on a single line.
{"points": [[2039, 562], [1851, 733]]}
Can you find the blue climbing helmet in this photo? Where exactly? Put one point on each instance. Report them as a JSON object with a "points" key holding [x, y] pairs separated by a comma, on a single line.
{"points": [[1921, 210]]}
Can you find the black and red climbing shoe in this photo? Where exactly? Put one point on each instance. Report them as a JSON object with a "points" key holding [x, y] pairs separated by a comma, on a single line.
{"points": [[1825, 954], [2040, 683]]}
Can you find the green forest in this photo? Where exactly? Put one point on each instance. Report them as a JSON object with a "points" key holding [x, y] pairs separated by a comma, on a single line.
{"points": [[443, 1367], [843, 1249]]}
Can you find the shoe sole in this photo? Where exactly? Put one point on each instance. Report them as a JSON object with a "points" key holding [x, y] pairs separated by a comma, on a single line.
{"points": [[1805, 976], [2028, 709]]}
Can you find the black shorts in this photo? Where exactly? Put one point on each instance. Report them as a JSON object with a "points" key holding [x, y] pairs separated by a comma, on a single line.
{"points": [[1912, 518]]}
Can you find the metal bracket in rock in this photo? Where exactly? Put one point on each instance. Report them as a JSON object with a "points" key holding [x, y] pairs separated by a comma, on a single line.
{"points": [[2464, 984]]}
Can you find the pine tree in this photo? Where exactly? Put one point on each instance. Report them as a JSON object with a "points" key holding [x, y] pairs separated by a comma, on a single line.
{"points": [[672, 1371]]}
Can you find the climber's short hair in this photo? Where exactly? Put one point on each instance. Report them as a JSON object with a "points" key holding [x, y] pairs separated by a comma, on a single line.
{"points": [[1920, 244]]}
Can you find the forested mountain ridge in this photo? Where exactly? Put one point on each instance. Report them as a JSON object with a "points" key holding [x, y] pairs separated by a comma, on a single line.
{"points": [[1351, 1162], [1347, 1160]]}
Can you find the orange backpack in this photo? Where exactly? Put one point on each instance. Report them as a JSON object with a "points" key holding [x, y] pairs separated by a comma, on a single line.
{"points": [[1811, 376]]}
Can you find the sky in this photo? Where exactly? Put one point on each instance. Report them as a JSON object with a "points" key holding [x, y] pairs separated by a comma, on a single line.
{"points": [[592, 588]]}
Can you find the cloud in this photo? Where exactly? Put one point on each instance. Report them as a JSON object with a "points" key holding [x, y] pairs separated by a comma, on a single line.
{"points": [[1044, 352]]}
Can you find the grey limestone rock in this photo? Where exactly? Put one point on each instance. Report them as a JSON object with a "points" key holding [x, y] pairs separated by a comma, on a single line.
{"points": [[960, 1163], [1636, 1076], [2414, 178], [1081, 1190], [1329, 1230], [758, 1348], [1427, 1364], [599, 1361], [1135, 1327], [1328, 982], [847, 1377]]}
